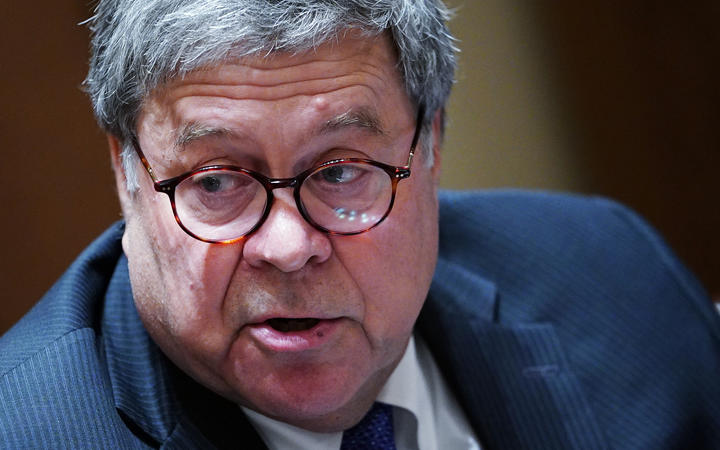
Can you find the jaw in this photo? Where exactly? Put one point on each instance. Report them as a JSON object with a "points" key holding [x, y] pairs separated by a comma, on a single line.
{"points": [[321, 388], [317, 397]]}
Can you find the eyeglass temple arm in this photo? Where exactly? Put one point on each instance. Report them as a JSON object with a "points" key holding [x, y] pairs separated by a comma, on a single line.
{"points": [[416, 136], [144, 160]]}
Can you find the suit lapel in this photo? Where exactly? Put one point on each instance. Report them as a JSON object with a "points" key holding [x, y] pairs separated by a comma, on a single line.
{"points": [[513, 381], [137, 369], [208, 420]]}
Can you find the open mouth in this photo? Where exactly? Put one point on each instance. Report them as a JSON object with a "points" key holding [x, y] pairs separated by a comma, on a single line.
{"points": [[290, 325], [296, 334]]}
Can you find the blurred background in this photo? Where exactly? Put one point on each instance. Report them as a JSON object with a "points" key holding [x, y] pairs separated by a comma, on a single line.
{"points": [[600, 97]]}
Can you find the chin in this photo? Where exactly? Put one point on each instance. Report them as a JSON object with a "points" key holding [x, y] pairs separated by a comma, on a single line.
{"points": [[324, 400]]}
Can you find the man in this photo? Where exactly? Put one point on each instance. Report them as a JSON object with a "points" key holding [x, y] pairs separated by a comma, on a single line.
{"points": [[276, 279]]}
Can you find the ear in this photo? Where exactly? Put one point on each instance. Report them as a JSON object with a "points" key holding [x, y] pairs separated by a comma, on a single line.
{"points": [[438, 129], [115, 147]]}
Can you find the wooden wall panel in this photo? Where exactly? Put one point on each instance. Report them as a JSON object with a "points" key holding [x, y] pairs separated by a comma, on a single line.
{"points": [[640, 81]]}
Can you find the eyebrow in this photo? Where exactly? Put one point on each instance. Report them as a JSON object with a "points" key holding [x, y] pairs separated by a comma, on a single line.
{"points": [[354, 118], [360, 118], [193, 131]]}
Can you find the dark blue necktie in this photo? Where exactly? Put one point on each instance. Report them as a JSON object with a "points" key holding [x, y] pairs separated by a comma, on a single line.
{"points": [[373, 432]]}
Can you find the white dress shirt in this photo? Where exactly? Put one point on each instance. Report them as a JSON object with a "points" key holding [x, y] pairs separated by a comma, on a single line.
{"points": [[426, 415]]}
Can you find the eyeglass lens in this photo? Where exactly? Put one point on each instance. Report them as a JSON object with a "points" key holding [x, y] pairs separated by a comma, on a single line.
{"points": [[344, 197]]}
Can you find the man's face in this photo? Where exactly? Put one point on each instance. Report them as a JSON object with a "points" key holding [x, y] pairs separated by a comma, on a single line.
{"points": [[208, 306]]}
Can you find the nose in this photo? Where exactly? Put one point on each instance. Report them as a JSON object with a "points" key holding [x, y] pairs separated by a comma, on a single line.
{"points": [[286, 240]]}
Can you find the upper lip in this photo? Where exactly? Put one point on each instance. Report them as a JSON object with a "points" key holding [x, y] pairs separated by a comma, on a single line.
{"points": [[292, 324], [264, 318]]}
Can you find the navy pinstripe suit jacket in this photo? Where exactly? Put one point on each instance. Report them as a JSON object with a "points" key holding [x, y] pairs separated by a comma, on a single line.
{"points": [[559, 322]]}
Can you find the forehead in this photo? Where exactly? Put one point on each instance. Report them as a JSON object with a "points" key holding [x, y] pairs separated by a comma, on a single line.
{"points": [[356, 75]]}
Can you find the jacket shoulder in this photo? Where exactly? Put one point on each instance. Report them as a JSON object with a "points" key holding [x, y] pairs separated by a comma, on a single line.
{"points": [[54, 383], [73, 303], [61, 395], [519, 238], [623, 316]]}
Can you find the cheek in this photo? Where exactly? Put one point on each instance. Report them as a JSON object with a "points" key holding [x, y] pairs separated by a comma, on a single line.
{"points": [[394, 263], [178, 282]]}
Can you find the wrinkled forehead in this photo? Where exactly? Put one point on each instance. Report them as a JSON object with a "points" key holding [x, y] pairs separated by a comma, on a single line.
{"points": [[329, 68], [350, 84], [347, 41]]}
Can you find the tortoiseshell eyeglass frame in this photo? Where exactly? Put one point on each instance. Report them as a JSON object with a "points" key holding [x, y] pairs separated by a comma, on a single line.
{"points": [[396, 173]]}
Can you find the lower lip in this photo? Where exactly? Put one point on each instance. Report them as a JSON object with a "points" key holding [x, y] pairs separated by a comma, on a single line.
{"points": [[295, 341]]}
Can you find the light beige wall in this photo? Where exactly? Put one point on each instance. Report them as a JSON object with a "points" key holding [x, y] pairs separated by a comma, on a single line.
{"points": [[506, 126]]}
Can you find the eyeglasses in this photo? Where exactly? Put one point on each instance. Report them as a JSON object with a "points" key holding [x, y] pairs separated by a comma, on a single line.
{"points": [[223, 204]]}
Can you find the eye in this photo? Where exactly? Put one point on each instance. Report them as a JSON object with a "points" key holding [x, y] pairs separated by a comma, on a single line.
{"points": [[219, 202], [213, 183], [217, 190], [341, 180], [340, 173]]}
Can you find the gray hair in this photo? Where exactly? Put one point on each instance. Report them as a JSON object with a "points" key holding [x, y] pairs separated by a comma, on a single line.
{"points": [[138, 45]]}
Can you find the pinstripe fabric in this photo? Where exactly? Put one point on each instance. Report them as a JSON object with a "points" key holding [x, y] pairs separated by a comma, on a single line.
{"points": [[592, 334], [56, 417], [53, 391], [559, 322], [137, 369]]}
